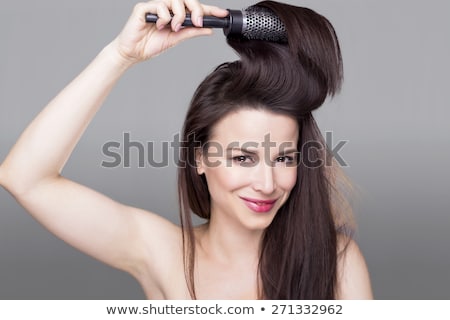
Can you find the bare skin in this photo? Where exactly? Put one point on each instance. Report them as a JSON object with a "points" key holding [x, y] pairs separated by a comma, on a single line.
{"points": [[134, 240]]}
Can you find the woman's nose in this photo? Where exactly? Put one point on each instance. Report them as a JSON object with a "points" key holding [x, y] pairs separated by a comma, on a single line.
{"points": [[264, 178]]}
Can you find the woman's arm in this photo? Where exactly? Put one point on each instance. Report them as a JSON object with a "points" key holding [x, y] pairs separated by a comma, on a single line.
{"points": [[31, 172]]}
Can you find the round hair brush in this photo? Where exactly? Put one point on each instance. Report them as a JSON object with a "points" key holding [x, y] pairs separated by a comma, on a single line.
{"points": [[253, 23]]}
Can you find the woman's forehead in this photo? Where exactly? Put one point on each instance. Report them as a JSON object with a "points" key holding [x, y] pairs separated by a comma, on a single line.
{"points": [[255, 125]]}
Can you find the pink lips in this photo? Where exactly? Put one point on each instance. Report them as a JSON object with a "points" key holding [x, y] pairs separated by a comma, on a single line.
{"points": [[258, 205]]}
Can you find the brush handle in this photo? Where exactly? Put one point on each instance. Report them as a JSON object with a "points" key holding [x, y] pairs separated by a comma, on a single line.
{"points": [[208, 21]]}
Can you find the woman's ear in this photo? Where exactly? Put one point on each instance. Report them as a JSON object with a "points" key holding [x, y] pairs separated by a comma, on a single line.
{"points": [[199, 162]]}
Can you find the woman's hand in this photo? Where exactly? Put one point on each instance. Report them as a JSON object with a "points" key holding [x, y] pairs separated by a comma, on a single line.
{"points": [[140, 40]]}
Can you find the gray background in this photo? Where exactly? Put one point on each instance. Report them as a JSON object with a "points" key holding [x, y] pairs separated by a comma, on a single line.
{"points": [[393, 111]]}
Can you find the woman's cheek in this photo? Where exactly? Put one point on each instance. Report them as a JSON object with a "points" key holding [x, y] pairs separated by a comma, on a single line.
{"points": [[287, 177]]}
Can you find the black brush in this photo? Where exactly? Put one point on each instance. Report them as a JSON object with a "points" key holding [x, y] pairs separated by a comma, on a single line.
{"points": [[253, 23]]}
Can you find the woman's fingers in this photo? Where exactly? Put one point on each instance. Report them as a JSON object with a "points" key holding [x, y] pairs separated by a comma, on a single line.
{"points": [[164, 16], [139, 40], [188, 33], [179, 14], [156, 7], [199, 10], [174, 12], [159, 8], [196, 11], [214, 11]]}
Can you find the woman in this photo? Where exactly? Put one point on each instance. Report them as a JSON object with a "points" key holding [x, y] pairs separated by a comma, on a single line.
{"points": [[252, 163]]}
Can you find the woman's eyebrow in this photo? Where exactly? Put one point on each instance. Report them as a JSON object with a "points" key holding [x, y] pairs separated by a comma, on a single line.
{"points": [[254, 152], [241, 149], [288, 151]]}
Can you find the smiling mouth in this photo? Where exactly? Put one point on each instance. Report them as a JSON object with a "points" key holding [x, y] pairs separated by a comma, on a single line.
{"points": [[259, 206]]}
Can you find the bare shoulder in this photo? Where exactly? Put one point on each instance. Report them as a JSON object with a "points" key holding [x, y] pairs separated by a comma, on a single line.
{"points": [[353, 280], [161, 239], [160, 262]]}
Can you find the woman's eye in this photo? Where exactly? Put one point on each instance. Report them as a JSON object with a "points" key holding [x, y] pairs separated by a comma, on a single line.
{"points": [[285, 159], [243, 159]]}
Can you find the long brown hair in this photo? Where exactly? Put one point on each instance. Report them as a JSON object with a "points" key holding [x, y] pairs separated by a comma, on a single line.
{"points": [[298, 252]]}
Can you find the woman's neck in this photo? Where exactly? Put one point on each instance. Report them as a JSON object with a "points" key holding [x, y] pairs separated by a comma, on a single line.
{"points": [[229, 243]]}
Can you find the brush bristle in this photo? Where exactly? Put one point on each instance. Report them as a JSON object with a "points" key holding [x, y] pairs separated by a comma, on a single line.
{"points": [[263, 24]]}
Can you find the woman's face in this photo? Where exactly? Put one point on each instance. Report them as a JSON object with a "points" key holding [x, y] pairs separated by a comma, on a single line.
{"points": [[250, 166]]}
